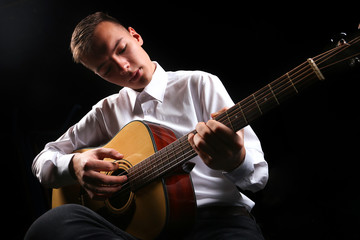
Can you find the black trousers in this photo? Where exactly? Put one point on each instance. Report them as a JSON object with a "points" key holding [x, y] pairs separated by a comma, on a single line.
{"points": [[77, 222]]}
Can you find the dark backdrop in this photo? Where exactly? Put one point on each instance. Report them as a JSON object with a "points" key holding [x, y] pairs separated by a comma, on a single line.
{"points": [[310, 143]]}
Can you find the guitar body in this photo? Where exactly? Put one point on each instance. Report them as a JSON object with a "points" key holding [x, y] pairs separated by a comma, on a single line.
{"points": [[167, 203]]}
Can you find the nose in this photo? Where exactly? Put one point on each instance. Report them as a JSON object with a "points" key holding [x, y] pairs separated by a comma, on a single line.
{"points": [[122, 63]]}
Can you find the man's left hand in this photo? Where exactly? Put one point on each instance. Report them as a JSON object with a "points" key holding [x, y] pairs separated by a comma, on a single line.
{"points": [[218, 146]]}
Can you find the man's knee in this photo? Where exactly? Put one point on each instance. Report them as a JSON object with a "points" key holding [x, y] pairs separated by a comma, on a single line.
{"points": [[56, 219]]}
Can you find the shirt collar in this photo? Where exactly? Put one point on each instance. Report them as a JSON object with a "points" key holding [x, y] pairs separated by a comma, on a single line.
{"points": [[155, 89]]}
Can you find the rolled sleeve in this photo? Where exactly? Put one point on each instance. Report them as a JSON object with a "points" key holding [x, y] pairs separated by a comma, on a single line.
{"points": [[52, 169], [252, 174]]}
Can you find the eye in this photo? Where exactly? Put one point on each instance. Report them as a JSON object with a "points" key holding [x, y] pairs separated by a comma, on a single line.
{"points": [[108, 70], [121, 50]]}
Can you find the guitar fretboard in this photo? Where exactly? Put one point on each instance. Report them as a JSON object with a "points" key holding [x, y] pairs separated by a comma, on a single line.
{"points": [[242, 113], [167, 159], [270, 96], [236, 118]]}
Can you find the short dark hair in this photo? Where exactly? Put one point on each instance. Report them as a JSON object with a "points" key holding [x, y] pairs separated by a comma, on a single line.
{"points": [[81, 38]]}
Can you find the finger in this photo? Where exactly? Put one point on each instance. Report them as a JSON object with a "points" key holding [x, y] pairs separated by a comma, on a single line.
{"points": [[215, 114], [98, 192], [101, 165], [202, 154], [96, 178], [224, 133], [205, 139], [204, 147], [101, 189], [100, 186], [102, 153]]}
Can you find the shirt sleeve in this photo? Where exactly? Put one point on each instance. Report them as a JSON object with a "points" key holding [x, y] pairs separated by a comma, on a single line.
{"points": [[252, 174], [51, 165]]}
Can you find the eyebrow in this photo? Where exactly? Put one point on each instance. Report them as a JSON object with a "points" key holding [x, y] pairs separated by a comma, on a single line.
{"points": [[115, 46]]}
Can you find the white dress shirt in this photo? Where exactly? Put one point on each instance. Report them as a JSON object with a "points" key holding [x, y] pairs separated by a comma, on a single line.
{"points": [[178, 100]]}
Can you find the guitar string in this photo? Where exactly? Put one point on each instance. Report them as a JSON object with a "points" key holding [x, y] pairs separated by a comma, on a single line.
{"points": [[277, 82], [267, 93], [260, 93], [163, 169], [249, 104], [345, 46], [318, 59], [281, 79]]}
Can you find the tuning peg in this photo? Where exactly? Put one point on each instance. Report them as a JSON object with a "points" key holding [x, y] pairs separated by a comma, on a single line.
{"points": [[354, 62], [339, 39]]}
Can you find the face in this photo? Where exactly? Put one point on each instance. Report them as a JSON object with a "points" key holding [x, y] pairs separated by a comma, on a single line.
{"points": [[118, 57]]}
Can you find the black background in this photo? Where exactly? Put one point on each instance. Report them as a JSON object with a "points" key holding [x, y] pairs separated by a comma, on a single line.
{"points": [[310, 143]]}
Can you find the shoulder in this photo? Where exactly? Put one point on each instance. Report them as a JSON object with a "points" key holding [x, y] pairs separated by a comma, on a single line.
{"points": [[107, 102], [194, 75], [195, 78]]}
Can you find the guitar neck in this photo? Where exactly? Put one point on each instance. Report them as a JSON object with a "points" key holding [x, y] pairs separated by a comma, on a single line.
{"points": [[272, 95], [244, 113], [237, 117]]}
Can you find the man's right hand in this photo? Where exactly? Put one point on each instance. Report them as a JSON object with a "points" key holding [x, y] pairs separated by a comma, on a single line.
{"points": [[86, 167]]}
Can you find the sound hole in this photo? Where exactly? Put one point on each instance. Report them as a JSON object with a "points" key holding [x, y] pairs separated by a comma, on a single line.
{"points": [[122, 199]]}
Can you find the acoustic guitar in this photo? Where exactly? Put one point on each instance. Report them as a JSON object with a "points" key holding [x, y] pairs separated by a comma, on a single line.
{"points": [[159, 195]]}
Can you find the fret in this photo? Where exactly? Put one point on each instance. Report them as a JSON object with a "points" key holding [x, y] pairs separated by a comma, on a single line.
{"points": [[157, 165], [277, 101], [242, 113], [266, 98], [230, 122], [176, 154], [169, 151], [292, 84], [187, 148], [132, 174], [236, 118], [148, 169], [225, 120], [233, 118], [284, 87], [180, 147], [166, 161], [250, 109], [238, 122], [152, 169], [257, 104]]}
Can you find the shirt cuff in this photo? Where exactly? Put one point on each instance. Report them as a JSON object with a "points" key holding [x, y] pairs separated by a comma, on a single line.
{"points": [[242, 172], [56, 174], [63, 170]]}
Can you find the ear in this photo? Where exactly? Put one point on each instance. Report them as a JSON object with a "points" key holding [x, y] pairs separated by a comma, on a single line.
{"points": [[135, 35]]}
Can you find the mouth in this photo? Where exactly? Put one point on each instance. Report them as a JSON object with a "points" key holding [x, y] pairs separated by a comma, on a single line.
{"points": [[135, 75]]}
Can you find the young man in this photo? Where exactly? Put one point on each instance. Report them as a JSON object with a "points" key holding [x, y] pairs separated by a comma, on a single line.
{"points": [[183, 101]]}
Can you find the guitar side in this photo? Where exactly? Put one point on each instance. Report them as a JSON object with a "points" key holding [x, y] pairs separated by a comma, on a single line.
{"points": [[149, 210]]}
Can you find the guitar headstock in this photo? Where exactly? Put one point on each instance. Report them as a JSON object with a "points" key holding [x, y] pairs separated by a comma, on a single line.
{"points": [[344, 55]]}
